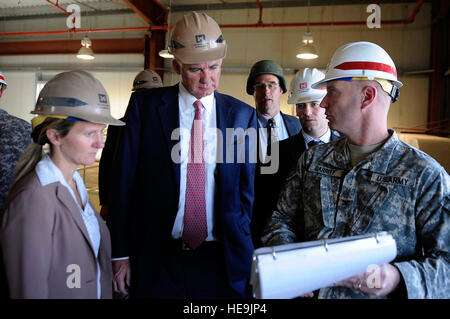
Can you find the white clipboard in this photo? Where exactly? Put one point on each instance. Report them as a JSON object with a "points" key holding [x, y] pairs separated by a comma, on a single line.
{"points": [[288, 271]]}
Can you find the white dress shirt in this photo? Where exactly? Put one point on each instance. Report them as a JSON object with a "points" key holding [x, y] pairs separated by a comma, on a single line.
{"points": [[48, 173], [324, 138], [209, 119], [262, 131]]}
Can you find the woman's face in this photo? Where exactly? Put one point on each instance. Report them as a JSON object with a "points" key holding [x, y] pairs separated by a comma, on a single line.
{"points": [[81, 144]]}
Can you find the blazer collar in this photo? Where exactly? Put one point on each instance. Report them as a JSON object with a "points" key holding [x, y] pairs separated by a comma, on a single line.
{"points": [[66, 199]]}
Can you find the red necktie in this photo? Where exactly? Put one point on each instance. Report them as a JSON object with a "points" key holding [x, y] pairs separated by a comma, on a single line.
{"points": [[195, 228]]}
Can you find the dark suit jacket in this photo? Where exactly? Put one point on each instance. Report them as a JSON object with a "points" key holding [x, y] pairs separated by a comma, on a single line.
{"points": [[266, 188], [106, 167], [146, 193], [290, 151]]}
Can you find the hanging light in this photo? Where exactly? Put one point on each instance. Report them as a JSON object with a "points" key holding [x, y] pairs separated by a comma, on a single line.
{"points": [[165, 53], [308, 49], [85, 52]]}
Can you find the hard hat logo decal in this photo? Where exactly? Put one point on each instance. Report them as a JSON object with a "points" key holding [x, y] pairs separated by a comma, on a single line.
{"points": [[102, 98], [200, 38], [200, 41], [303, 85]]}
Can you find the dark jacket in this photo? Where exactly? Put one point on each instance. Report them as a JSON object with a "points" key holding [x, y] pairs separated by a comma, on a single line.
{"points": [[267, 188], [146, 192]]}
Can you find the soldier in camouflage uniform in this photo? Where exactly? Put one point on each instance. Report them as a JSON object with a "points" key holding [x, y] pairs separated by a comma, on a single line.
{"points": [[15, 136], [369, 182]]}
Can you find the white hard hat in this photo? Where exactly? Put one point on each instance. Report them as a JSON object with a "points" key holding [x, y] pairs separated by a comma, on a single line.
{"points": [[362, 60], [300, 90], [197, 38], [74, 95], [3, 80], [147, 79]]}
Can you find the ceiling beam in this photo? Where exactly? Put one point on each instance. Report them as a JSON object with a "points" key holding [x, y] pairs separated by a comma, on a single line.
{"points": [[99, 46], [154, 44], [148, 10], [278, 4]]}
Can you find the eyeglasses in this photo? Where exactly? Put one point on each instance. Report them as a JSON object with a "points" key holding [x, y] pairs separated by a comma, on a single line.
{"points": [[262, 86], [2, 86]]}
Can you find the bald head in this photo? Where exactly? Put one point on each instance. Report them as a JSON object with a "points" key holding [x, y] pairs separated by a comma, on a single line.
{"points": [[358, 109]]}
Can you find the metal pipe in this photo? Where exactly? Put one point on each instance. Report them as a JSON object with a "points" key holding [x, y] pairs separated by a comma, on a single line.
{"points": [[82, 31], [58, 7], [260, 12]]}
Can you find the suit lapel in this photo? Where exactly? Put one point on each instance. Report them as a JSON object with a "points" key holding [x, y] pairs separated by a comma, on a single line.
{"points": [[66, 199], [287, 124], [170, 120], [222, 115]]}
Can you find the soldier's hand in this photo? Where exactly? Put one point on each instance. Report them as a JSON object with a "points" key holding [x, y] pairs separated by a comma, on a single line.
{"points": [[121, 279], [379, 282]]}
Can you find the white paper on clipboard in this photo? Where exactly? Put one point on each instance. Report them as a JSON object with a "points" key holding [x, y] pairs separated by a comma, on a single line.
{"points": [[289, 271]]}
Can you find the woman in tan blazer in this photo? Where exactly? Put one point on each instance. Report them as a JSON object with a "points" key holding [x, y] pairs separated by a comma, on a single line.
{"points": [[54, 243]]}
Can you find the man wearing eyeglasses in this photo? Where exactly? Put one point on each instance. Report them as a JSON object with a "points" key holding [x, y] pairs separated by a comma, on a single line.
{"points": [[266, 83]]}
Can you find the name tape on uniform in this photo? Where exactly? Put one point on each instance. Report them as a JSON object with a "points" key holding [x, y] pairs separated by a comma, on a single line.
{"points": [[395, 180], [327, 171]]}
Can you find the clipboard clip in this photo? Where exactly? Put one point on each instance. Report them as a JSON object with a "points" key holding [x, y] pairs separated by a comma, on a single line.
{"points": [[376, 238], [325, 244], [274, 255]]}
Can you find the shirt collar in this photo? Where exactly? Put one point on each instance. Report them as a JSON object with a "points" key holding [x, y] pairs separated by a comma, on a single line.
{"points": [[48, 173], [188, 100], [265, 118], [324, 138]]}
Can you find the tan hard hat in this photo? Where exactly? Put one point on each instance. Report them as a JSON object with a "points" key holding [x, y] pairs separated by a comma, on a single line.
{"points": [[75, 94], [197, 38], [147, 79]]}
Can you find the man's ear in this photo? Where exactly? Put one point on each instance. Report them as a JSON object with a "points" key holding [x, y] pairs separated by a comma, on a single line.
{"points": [[176, 66], [368, 95], [53, 136]]}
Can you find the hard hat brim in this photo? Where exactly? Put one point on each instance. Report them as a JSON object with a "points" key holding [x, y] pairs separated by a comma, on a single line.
{"points": [[94, 118], [323, 83], [306, 99], [195, 56]]}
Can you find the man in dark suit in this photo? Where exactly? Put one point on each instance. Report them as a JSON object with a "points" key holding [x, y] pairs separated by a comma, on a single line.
{"points": [[315, 128], [181, 218], [266, 83], [145, 80]]}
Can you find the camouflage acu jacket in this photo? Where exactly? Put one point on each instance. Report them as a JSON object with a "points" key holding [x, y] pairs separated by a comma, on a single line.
{"points": [[14, 139], [398, 189]]}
